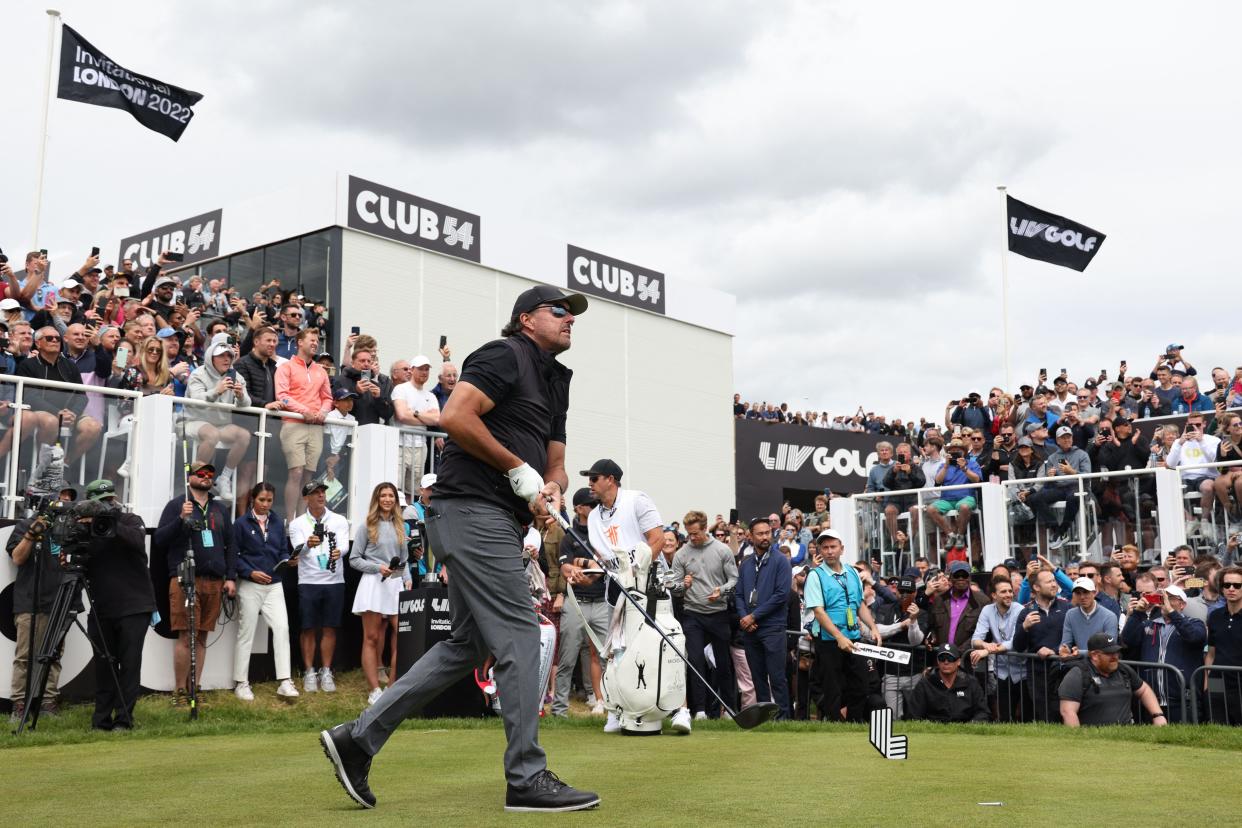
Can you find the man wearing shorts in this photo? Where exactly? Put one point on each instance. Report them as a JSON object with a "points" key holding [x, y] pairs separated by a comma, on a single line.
{"points": [[957, 469], [302, 387], [201, 521], [321, 583]]}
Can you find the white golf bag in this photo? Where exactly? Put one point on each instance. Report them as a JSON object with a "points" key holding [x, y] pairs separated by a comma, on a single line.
{"points": [[644, 679]]}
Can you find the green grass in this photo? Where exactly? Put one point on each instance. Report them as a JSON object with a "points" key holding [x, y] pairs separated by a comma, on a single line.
{"points": [[261, 764]]}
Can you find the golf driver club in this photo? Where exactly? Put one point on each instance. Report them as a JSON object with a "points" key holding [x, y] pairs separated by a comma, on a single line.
{"points": [[752, 715]]}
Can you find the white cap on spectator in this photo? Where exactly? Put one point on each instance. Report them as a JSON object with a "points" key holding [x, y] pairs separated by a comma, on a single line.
{"points": [[9, 303], [70, 284], [1085, 583], [1064, 430], [427, 482], [420, 361], [829, 533], [1175, 591], [220, 348], [163, 280]]}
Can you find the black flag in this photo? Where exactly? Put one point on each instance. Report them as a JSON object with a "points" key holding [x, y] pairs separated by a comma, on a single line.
{"points": [[90, 76], [1050, 238]]}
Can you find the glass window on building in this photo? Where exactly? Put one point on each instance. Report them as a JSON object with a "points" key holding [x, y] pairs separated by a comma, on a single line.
{"points": [[246, 272], [280, 261], [313, 273]]}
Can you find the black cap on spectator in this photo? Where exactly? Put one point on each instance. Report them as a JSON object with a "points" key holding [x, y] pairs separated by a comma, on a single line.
{"points": [[530, 299], [325, 356], [1023, 387], [1090, 384], [1102, 642], [313, 486], [344, 394], [948, 650], [1060, 381], [604, 468], [583, 497]]}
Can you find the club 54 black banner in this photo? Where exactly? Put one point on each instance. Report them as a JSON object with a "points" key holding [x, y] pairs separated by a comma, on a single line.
{"points": [[1037, 234], [90, 76]]}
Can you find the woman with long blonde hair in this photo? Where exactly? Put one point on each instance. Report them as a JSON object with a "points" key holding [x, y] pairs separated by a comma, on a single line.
{"points": [[380, 540]]}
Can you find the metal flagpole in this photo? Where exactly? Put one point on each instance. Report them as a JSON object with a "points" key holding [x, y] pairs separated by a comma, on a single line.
{"points": [[53, 17], [1005, 281]]}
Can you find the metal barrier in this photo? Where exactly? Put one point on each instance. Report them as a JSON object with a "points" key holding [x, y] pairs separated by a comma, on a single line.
{"points": [[418, 452], [1229, 692]]}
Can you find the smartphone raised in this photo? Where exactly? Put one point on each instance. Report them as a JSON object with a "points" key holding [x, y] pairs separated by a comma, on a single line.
{"points": [[95, 250], [1153, 599], [355, 330], [733, 516], [174, 257], [122, 355], [443, 340]]}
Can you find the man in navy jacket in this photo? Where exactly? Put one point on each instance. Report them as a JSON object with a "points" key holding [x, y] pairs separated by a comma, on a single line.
{"points": [[763, 583], [1164, 634]]}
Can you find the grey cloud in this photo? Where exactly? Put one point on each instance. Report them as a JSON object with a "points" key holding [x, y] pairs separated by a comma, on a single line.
{"points": [[481, 73]]}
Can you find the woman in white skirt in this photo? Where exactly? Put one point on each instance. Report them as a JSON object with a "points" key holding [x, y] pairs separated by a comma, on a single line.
{"points": [[379, 541]]}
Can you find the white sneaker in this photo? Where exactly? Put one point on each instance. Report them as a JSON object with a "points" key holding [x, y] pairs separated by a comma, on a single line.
{"points": [[326, 682], [243, 691], [613, 725], [224, 484], [287, 690], [591, 700], [373, 696], [681, 721], [597, 709], [383, 676], [310, 682], [701, 716]]}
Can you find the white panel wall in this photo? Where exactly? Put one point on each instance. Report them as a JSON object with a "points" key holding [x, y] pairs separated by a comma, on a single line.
{"points": [[652, 393]]}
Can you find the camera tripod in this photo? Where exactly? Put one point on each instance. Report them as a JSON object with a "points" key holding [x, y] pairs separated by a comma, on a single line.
{"points": [[61, 617]]}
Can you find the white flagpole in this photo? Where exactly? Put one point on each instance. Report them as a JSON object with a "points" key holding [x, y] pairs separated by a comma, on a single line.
{"points": [[53, 17], [1005, 281]]}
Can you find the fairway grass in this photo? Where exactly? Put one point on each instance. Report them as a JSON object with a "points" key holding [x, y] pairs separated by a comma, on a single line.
{"points": [[262, 765]]}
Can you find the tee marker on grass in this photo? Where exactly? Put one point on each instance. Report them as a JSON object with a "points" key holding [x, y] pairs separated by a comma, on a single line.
{"points": [[882, 738]]}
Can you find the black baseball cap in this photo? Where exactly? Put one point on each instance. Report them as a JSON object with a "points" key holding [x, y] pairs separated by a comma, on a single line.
{"points": [[313, 486], [530, 299], [948, 650], [1104, 643], [605, 467], [583, 497], [344, 394]]}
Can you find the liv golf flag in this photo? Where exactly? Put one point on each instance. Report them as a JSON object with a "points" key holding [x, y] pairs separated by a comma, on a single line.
{"points": [[90, 76], [1050, 238]]}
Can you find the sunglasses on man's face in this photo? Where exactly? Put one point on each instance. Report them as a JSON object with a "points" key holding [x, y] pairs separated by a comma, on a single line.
{"points": [[1231, 585], [205, 474], [946, 659], [1006, 433], [559, 311], [592, 478]]}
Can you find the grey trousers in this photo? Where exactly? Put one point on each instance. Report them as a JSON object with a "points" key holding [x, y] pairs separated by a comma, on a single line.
{"points": [[573, 639], [492, 611]]}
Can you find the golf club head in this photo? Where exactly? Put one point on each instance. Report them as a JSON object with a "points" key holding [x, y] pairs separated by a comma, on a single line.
{"points": [[753, 715]]}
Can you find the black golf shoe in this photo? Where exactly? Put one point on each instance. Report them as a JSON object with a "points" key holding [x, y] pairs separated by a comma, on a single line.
{"points": [[350, 762], [548, 794]]}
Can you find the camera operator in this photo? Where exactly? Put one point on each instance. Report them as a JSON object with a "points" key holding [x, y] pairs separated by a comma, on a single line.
{"points": [[321, 583], [30, 548], [200, 520], [123, 601]]}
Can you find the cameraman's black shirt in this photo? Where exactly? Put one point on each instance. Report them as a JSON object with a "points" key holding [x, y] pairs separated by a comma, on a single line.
{"points": [[531, 392], [118, 573], [49, 577]]}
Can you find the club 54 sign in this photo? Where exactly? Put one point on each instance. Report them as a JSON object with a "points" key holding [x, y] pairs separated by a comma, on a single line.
{"points": [[374, 208], [197, 238], [601, 275]]}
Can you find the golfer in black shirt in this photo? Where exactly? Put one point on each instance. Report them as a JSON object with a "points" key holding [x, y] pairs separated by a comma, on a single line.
{"points": [[506, 427]]}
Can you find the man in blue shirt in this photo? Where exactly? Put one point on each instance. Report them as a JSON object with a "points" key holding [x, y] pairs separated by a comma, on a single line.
{"points": [[1084, 620], [762, 598], [958, 469], [834, 593]]}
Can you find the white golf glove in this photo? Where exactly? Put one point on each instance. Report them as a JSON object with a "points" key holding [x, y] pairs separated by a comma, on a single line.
{"points": [[525, 481]]}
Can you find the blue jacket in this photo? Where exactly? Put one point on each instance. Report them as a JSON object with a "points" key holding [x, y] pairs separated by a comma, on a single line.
{"points": [[1185, 646], [1063, 581], [213, 546], [1199, 403], [1047, 633], [771, 585], [253, 552]]}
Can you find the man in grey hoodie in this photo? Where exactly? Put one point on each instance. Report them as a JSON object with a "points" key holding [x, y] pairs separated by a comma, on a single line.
{"points": [[705, 572], [217, 382]]}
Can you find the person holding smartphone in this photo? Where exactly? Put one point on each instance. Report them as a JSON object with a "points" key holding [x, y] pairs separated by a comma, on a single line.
{"points": [[1196, 448], [217, 381]]}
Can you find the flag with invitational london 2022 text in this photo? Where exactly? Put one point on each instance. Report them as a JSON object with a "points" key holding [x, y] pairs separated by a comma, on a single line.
{"points": [[1041, 235], [90, 76]]}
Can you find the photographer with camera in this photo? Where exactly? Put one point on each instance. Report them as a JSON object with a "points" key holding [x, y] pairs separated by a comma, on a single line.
{"points": [[34, 590], [969, 412], [200, 521], [111, 543], [317, 536]]}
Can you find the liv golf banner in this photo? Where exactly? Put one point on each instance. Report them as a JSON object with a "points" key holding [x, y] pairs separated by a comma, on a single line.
{"points": [[90, 76], [1051, 238]]}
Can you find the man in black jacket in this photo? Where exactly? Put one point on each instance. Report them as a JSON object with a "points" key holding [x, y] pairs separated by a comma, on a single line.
{"points": [[122, 603], [374, 390], [50, 406], [946, 694], [904, 474]]}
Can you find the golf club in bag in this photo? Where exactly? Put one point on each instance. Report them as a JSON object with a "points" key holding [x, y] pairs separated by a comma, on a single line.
{"points": [[750, 716]]}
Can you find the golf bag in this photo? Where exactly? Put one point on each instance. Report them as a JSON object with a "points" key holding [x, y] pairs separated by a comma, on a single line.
{"points": [[644, 679]]}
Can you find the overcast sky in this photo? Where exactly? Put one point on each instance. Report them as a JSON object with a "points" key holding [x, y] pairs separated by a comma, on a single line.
{"points": [[833, 165]]}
